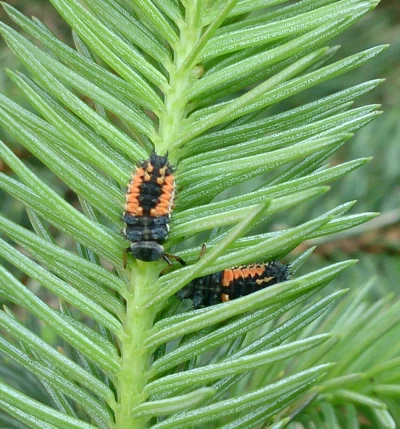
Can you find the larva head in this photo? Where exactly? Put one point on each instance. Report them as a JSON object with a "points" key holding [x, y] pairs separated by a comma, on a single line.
{"points": [[147, 251]]}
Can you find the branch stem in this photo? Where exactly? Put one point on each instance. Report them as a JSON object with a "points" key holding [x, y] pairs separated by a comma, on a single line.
{"points": [[180, 80], [140, 319], [133, 376]]}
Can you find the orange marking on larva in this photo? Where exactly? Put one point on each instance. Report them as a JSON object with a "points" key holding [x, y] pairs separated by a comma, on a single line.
{"points": [[237, 273], [164, 204], [165, 200], [135, 187], [131, 204], [147, 176], [159, 211], [138, 177], [160, 180], [162, 208], [263, 280], [162, 211], [255, 270], [132, 197], [227, 278], [246, 272], [134, 209], [169, 179], [138, 173], [150, 168], [168, 187], [224, 297], [163, 170], [136, 181]]}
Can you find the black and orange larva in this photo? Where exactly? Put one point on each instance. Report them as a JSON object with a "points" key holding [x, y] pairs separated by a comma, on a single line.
{"points": [[233, 283], [148, 208]]}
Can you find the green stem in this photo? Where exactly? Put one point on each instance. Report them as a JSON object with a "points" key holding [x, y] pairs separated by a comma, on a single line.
{"points": [[135, 356], [180, 81], [139, 320]]}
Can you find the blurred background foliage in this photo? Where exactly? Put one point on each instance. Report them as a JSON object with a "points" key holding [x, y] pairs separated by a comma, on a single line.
{"points": [[376, 186]]}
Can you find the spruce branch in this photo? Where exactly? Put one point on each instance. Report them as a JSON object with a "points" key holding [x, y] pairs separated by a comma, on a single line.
{"points": [[207, 83]]}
